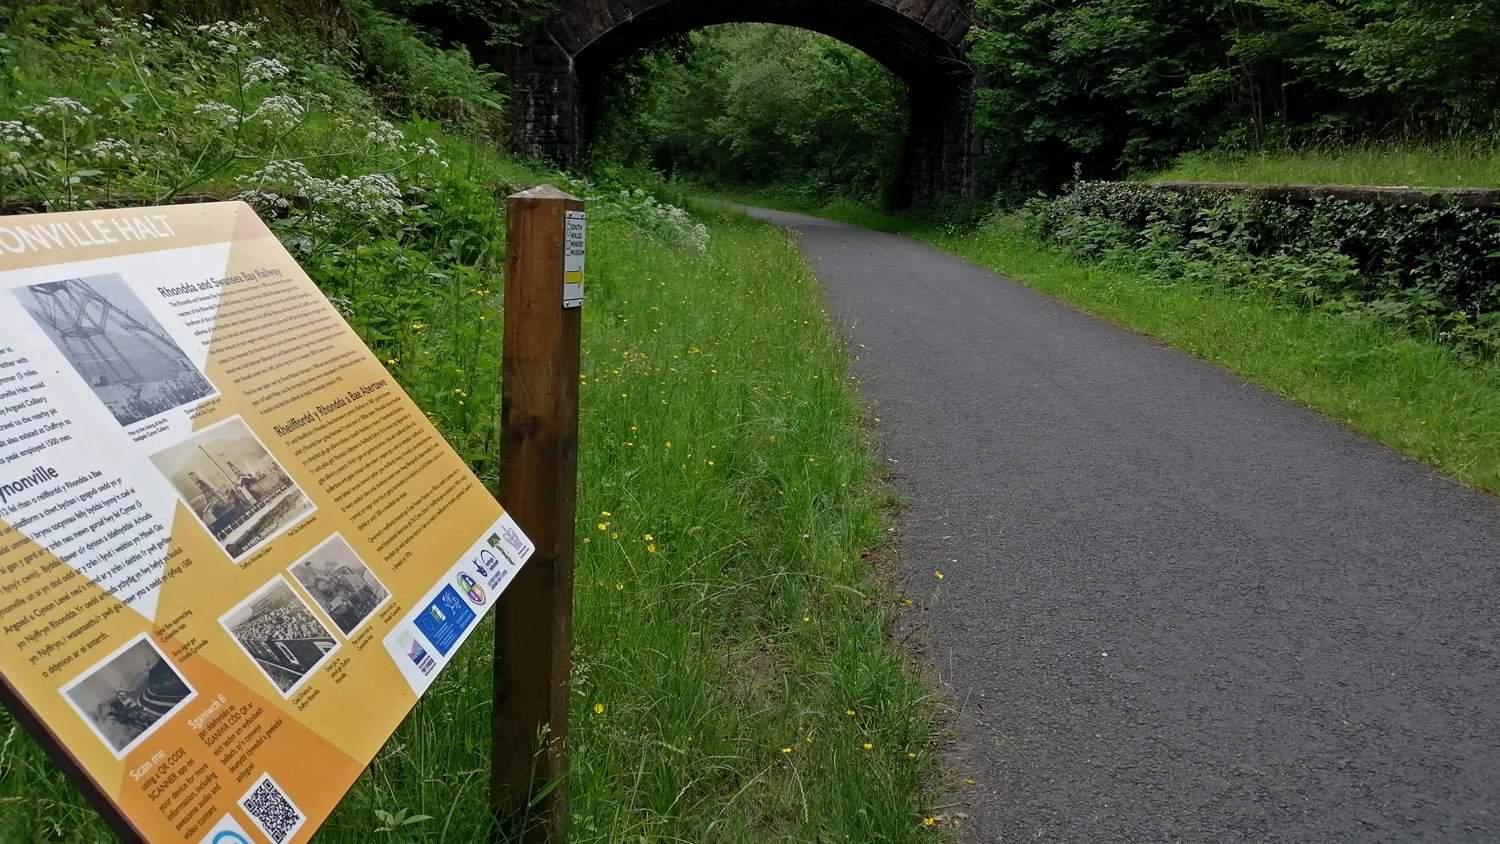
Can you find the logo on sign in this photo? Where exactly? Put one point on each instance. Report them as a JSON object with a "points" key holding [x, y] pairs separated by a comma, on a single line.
{"points": [[521, 546], [486, 563], [472, 590], [445, 620], [417, 654], [489, 567]]}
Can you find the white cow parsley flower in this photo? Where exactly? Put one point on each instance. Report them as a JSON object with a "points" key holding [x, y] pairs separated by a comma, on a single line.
{"points": [[264, 201], [265, 70], [284, 173], [279, 111], [426, 148], [384, 134], [113, 151], [373, 195], [18, 133], [63, 107], [229, 36], [220, 114]]}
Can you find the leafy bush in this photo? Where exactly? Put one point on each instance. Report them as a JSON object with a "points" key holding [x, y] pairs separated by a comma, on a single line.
{"points": [[1433, 270], [414, 75], [1121, 86], [157, 111]]}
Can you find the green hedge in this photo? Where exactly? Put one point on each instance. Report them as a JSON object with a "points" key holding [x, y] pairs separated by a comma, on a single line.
{"points": [[1433, 270]]}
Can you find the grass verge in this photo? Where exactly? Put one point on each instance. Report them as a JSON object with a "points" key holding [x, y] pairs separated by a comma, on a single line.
{"points": [[1452, 165]]}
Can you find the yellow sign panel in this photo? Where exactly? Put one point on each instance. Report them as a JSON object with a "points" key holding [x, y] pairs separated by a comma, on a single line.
{"points": [[233, 552]]}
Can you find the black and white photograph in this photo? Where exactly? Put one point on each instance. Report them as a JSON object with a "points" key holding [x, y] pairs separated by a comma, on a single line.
{"points": [[116, 346], [340, 583], [280, 633], [129, 694], [234, 486]]}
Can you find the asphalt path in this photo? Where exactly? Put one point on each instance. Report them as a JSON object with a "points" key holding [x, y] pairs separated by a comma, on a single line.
{"points": [[1174, 607]]}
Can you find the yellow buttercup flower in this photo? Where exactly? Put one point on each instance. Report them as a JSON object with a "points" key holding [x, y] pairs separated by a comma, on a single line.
{"points": [[598, 709]]}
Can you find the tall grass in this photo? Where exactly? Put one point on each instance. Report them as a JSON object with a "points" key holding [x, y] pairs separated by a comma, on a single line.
{"points": [[1472, 162]]}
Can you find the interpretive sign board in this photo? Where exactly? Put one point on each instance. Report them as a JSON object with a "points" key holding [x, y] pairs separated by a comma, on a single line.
{"points": [[233, 552]]}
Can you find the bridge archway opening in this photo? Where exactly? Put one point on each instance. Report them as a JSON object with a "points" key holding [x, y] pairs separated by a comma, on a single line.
{"points": [[750, 106], [561, 63]]}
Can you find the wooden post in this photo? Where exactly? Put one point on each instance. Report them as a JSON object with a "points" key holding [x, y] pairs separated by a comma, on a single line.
{"points": [[538, 487]]}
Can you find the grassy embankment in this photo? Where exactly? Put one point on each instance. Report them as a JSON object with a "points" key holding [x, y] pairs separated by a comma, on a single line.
{"points": [[733, 680], [1456, 164], [1412, 394]]}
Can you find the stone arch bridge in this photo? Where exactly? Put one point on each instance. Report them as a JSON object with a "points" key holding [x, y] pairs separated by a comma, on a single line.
{"points": [[559, 63]]}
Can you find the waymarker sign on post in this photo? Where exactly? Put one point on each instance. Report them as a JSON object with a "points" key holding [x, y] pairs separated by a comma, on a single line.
{"points": [[233, 552], [574, 240]]}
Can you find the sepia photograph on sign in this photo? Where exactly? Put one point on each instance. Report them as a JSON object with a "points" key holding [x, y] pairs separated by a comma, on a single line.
{"points": [[234, 486], [114, 343], [341, 584], [280, 633], [129, 694]]}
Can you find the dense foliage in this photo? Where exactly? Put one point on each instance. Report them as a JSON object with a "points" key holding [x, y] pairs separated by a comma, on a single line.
{"points": [[410, 72], [759, 105], [1434, 271], [1112, 85]]}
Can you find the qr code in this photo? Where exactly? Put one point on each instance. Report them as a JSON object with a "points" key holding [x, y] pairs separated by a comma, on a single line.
{"points": [[272, 810]]}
